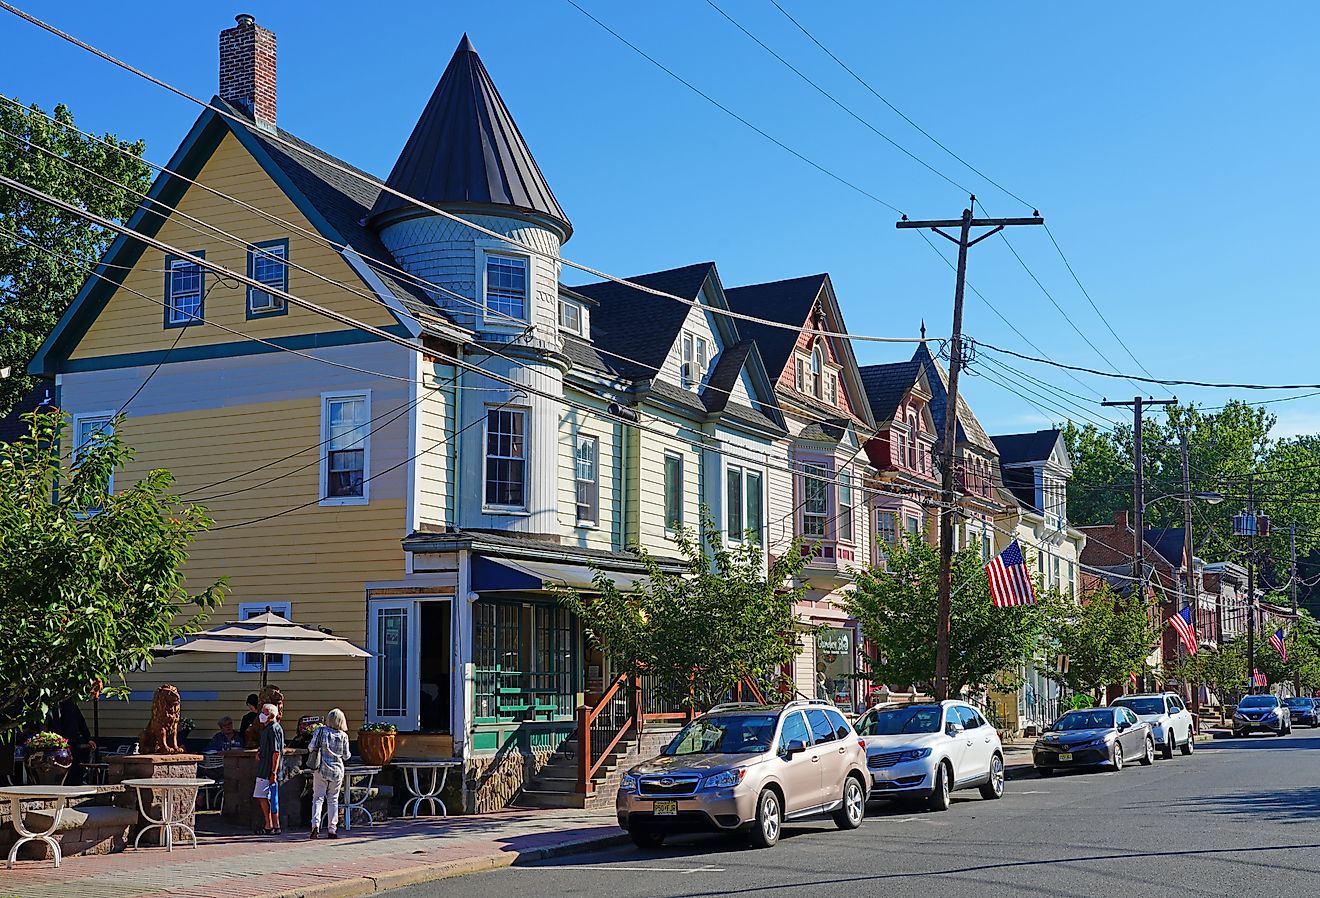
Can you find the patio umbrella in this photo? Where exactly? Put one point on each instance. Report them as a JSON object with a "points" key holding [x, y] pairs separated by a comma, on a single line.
{"points": [[268, 634]]}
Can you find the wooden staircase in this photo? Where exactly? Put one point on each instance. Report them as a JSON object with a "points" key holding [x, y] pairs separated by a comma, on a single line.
{"points": [[556, 785]]}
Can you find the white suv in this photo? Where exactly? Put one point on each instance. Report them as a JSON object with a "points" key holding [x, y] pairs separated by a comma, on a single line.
{"points": [[1171, 724], [926, 751]]}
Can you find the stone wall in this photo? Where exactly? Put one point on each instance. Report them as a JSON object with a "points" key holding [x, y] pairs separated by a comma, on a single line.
{"points": [[493, 783]]}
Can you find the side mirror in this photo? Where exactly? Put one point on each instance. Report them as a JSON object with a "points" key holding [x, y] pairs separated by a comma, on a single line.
{"points": [[796, 747], [1124, 727], [954, 729]]}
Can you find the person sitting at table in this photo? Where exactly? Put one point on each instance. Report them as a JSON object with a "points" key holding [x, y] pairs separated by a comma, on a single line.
{"points": [[331, 740], [249, 718], [227, 739]]}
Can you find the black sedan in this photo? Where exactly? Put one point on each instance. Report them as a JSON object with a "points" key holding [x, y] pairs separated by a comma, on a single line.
{"points": [[1094, 737], [1303, 710]]}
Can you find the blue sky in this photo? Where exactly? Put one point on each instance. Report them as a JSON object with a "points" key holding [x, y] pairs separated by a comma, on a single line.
{"points": [[1171, 147]]}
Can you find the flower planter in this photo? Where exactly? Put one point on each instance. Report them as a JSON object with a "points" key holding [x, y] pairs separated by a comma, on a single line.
{"points": [[50, 767], [376, 748]]}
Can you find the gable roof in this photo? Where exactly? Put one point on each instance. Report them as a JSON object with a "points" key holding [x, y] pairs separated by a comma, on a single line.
{"points": [[968, 428], [787, 302], [467, 149], [886, 385], [1026, 448], [14, 426], [1168, 541]]}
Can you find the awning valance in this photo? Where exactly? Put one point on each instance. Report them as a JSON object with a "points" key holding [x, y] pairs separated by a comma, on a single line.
{"points": [[507, 575]]}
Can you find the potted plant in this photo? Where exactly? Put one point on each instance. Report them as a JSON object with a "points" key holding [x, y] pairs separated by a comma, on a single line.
{"points": [[376, 743], [49, 758]]}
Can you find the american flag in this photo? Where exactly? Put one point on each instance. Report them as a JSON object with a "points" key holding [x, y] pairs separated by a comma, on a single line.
{"points": [[1010, 583], [1258, 679], [1133, 677], [1182, 622], [1276, 640]]}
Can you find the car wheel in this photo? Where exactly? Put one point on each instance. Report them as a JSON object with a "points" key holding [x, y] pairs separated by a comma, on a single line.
{"points": [[850, 815], [939, 795], [1166, 750], [1190, 745], [1148, 757], [645, 837], [994, 787], [769, 820], [1117, 757]]}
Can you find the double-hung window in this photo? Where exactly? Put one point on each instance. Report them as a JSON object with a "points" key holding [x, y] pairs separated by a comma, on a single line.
{"points": [[345, 423], [913, 524], [886, 527], [817, 373], [586, 480], [268, 263], [846, 504], [800, 374], [184, 291], [87, 431], [815, 501], [506, 286], [743, 504], [696, 358], [570, 317], [833, 390], [673, 491], [506, 458]]}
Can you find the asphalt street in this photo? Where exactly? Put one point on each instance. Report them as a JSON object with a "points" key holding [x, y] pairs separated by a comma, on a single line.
{"points": [[1240, 817]]}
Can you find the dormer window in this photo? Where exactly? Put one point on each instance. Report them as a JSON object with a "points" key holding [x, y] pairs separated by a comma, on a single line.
{"points": [[832, 391], [696, 358], [912, 441], [817, 372], [572, 317]]}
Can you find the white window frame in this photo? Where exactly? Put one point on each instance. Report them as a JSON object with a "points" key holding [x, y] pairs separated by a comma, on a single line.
{"points": [[578, 482], [174, 317], [282, 607], [800, 373], [845, 483], [326, 399], [497, 319], [817, 371], [682, 494], [526, 460], [106, 417], [579, 310], [694, 360], [267, 252], [832, 388], [890, 515], [744, 475], [815, 470]]}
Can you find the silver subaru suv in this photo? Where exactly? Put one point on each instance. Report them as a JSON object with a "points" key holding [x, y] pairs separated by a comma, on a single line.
{"points": [[748, 767]]}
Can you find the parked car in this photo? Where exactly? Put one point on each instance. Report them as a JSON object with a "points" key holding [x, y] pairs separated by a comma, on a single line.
{"points": [[750, 768], [1261, 712], [1171, 724], [1303, 710], [1093, 737], [927, 751]]}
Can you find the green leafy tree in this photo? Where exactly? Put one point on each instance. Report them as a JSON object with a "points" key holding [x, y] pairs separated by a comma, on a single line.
{"points": [[1105, 636], [698, 633], [1102, 474], [90, 581], [36, 287], [896, 608], [1302, 641]]}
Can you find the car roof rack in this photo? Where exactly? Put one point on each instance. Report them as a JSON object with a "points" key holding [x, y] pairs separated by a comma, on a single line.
{"points": [[799, 702], [730, 706]]}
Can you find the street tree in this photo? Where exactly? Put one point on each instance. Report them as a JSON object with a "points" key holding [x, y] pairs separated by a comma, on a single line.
{"points": [[1302, 642], [700, 632], [896, 608], [90, 580], [36, 286], [1105, 636]]}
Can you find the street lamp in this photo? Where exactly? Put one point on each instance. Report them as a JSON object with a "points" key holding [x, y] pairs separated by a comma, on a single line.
{"points": [[1208, 498]]}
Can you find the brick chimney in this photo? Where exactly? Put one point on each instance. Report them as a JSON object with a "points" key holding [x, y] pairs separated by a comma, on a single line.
{"points": [[247, 69], [1121, 520]]}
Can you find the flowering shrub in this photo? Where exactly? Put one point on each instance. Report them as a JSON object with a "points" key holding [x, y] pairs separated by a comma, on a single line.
{"points": [[47, 741], [378, 728]]}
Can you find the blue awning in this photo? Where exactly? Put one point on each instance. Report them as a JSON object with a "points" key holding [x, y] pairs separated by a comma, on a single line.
{"points": [[505, 575]]}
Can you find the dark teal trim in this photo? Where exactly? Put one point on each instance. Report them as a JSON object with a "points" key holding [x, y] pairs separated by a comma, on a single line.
{"points": [[252, 256], [168, 293], [230, 350]]}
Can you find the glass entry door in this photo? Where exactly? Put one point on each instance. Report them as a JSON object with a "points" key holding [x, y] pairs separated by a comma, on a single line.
{"points": [[392, 684]]}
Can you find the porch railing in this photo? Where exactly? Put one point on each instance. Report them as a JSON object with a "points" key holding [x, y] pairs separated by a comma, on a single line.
{"points": [[600, 728]]}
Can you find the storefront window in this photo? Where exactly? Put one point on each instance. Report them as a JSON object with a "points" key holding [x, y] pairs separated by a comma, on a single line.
{"points": [[834, 666]]}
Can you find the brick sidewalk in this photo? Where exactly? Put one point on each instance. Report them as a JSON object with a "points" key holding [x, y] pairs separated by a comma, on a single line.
{"points": [[361, 862]]}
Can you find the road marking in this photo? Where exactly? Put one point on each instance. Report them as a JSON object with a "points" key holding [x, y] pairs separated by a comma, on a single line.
{"points": [[704, 868], [1033, 792]]}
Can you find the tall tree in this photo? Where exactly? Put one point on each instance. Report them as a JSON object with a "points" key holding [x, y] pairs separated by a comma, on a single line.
{"points": [[91, 581], [1105, 637], [698, 633], [896, 608], [35, 287]]}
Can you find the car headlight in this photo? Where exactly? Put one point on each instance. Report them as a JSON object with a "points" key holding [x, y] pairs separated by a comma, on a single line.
{"points": [[1272, 712], [914, 754], [628, 784], [725, 779]]}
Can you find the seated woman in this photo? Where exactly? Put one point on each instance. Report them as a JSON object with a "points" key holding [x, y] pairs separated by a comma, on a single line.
{"points": [[227, 739]]}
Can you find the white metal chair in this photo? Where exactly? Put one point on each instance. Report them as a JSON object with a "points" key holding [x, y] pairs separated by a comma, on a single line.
{"points": [[212, 767]]}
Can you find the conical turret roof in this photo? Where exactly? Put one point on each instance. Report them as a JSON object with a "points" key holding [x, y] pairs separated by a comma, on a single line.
{"points": [[466, 148]]}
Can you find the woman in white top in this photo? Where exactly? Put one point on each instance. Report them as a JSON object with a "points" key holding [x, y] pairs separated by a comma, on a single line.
{"points": [[331, 739]]}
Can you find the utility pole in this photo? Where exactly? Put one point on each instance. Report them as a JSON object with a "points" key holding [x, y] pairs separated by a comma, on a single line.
{"points": [[947, 451], [1189, 556], [1251, 580], [1138, 482], [1292, 555]]}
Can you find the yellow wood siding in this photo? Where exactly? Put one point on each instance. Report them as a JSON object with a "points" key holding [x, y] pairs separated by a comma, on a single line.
{"points": [[317, 558], [130, 323]]}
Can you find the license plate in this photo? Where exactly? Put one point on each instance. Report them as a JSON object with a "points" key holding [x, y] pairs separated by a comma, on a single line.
{"points": [[1065, 756], [666, 809]]}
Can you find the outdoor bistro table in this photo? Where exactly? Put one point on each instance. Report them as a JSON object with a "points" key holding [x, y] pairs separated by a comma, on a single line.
{"points": [[174, 808], [412, 775], [363, 791], [16, 795]]}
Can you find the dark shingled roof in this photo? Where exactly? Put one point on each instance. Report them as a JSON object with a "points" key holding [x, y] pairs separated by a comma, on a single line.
{"points": [[639, 325], [886, 385], [466, 148], [1168, 541], [788, 302], [1021, 448], [715, 395], [969, 429]]}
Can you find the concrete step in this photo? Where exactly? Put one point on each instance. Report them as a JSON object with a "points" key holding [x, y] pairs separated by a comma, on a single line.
{"points": [[535, 798]]}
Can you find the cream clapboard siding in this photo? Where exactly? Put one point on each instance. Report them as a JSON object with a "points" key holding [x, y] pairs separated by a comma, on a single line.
{"points": [[435, 453], [130, 323], [574, 424], [737, 449], [208, 421], [664, 435], [702, 323]]}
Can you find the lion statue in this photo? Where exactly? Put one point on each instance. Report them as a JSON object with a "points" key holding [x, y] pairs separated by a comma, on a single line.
{"points": [[269, 695], [161, 737]]}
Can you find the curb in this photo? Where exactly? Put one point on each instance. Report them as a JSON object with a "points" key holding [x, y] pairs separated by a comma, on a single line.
{"points": [[410, 876]]}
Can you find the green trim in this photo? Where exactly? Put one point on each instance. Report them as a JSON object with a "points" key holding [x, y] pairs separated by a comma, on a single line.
{"points": [[200, 317], [230, 350], [252, 257]]}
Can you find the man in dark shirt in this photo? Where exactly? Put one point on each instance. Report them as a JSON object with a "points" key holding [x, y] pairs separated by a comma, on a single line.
{"points": [[250, 717], [270, 754]]}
